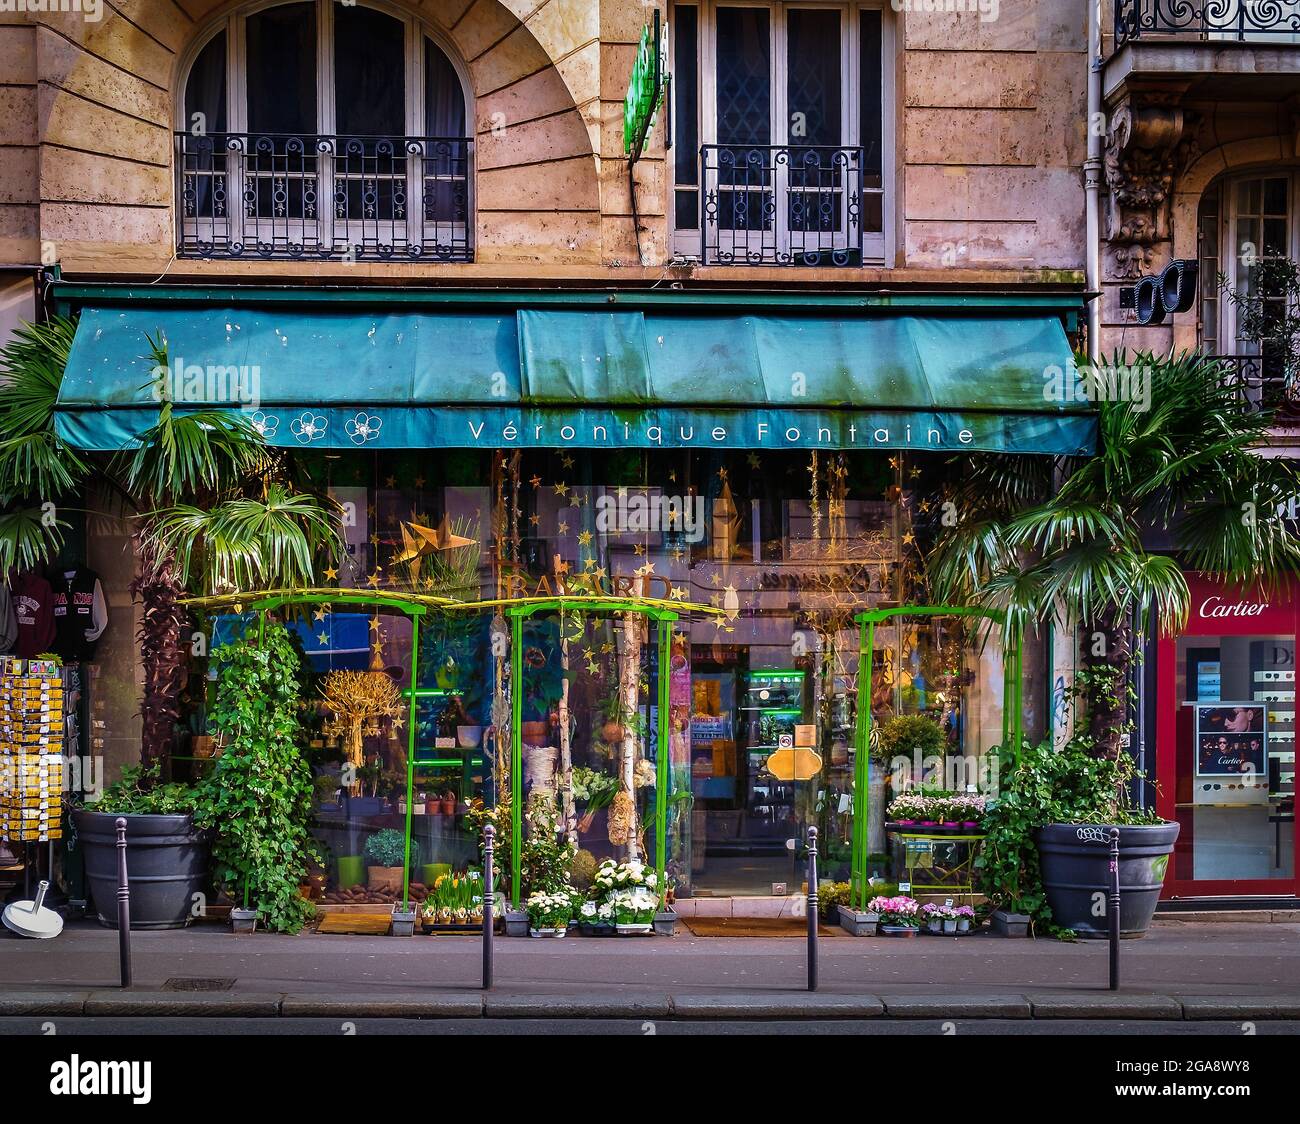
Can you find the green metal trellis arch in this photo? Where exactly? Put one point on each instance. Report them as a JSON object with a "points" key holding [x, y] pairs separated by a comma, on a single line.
{"points": [[1012, 678]]}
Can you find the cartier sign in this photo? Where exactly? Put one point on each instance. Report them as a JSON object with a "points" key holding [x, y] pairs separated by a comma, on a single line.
{"points": [[1216, 607]]}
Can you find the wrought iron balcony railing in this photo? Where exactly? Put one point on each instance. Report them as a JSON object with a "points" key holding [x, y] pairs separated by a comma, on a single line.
{"points": [[781, 205], [241, 195], [1251, 376], [1241, 20]]}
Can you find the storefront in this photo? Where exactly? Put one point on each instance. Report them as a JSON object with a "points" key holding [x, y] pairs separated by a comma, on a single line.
{"points": [[777, 464], [1226, 742]]}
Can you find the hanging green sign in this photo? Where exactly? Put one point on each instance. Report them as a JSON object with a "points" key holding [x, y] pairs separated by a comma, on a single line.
{"points": [[644, 90]]}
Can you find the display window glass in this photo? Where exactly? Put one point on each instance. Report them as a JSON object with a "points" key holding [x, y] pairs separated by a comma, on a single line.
{"points": [[1227, 744]]}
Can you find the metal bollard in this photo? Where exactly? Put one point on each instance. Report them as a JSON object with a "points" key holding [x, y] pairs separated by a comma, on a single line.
{"points": [[1113, 909], [123, 906], [489, 835], [812, 909]]}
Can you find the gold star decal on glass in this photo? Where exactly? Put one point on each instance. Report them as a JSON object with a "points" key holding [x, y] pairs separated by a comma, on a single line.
{"points": [[678, 593], [373, 579], [374, 624], [753, 460], [638, 549], [390, 482], [909, 538], [323, 639], [534, 519], [566, 460], [679, 554], [584, 538], [535, 481], [331, 573], [715, 578], [562, 528], [319, 614], [419, 481], [561, 489]]}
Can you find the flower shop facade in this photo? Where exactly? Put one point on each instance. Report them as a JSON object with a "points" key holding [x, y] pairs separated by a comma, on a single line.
{"points": [[777, 460]]}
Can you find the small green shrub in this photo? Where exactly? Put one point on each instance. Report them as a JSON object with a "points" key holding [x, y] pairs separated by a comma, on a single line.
{"points": [[386, 848]]}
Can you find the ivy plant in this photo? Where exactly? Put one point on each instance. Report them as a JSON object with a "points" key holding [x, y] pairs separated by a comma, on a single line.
{"points": [[1048, 785], [259, 794]]}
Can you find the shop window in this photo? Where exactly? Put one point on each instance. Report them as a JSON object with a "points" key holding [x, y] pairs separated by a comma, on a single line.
{"points": [[1235, 757], [314, 129], [781, 122]]}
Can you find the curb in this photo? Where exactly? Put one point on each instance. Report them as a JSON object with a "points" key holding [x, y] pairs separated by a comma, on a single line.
{"points": [[473, 1004]]}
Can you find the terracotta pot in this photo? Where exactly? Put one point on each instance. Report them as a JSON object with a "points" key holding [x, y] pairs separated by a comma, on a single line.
{"points": [[535, 733]]}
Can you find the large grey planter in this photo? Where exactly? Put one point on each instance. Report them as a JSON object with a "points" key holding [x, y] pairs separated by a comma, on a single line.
{"points": [[516, 923], [166, 866], [241, 920], [404, 923], [858, 923], [1075, 861], [665, 923]]}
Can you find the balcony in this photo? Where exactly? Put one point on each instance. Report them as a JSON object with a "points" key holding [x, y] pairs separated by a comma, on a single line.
{"points": [[784, 205], [326, 198], [1221, 20], [1253, 380]]}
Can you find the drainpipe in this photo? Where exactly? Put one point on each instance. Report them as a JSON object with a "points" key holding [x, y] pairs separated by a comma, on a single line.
{"points": [[1092, 172]]}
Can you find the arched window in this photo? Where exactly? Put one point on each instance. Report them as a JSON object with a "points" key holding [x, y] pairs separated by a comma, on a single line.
{"points": [[317, 129]]}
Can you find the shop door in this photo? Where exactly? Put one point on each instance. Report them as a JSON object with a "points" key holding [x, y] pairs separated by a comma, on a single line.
{"points": [[1226, 743]]}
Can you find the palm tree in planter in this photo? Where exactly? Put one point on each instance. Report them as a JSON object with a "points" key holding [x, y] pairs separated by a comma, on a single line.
{"points": [[211, 504], [1177, 464]]}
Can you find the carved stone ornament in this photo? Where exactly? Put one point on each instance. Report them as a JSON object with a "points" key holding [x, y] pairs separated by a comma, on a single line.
{"points": [[1147, 147]]}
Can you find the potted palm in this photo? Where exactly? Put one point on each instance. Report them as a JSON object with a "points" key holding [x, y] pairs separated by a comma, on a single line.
{"points": [[1178, 463]]}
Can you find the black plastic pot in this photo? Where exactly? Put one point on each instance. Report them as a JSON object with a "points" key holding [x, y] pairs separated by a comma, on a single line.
{"points": [[1074, 859], [166, 865]]}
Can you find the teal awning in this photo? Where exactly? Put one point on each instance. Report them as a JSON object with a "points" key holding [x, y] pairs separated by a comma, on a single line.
{"points": [[586, 378]]}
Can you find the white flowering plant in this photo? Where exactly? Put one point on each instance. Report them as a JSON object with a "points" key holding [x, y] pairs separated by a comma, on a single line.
{"points": [[549, 911], [633, 907], [631, 875]]}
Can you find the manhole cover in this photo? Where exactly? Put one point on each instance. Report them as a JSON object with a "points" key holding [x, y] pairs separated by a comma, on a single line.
{"points": [[199, 983]]}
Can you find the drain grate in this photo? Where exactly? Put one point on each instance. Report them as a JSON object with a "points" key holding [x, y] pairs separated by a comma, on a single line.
{"points": [[199, 983]]}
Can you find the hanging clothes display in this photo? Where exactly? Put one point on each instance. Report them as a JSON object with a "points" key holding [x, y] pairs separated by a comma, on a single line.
{"points": [[8, 621], [80, 612], [33, 602]]}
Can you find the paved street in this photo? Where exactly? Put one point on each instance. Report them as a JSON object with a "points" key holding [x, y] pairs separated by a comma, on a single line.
{"points": [[1182, 972]]}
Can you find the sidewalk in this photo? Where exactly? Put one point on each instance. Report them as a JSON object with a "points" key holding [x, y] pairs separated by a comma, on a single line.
{"points": [[1181, 970]]}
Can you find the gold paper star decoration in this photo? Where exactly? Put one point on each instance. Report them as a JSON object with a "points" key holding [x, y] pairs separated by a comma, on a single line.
{"points": [[535, 481], [419, 541], [419, 482], [561, 489], [390, 482], [679, 554], [562, 529], [893, 462], [753, 460], [534, 519], [566, 460], [331, 573], [638, 549], [374, 624], [319, 614], [584, 538], [909, 538], [677, 594], [324, 640], [373, 579]]}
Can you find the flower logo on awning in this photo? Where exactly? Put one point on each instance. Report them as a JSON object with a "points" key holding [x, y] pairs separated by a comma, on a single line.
{"points": [[364, 427], [265, 424], [308, 427]]}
